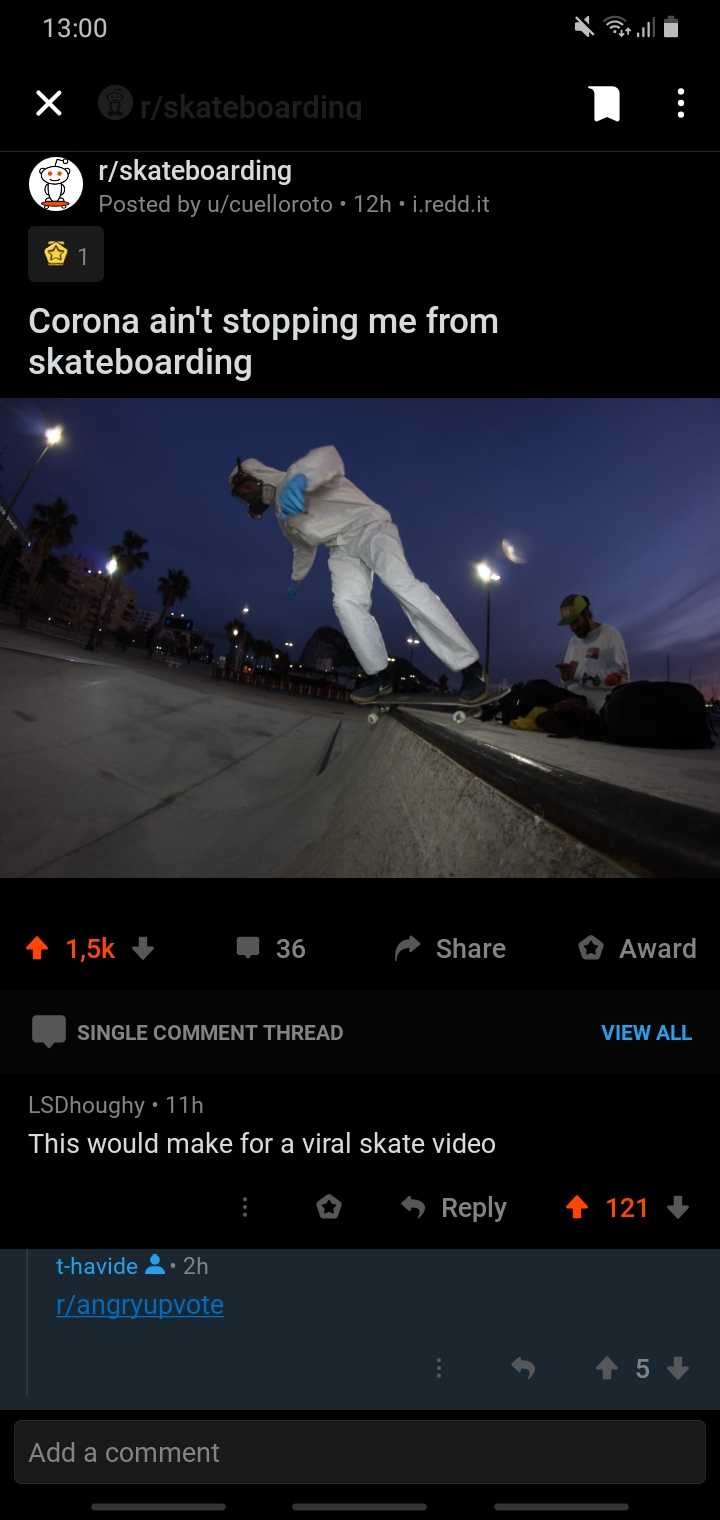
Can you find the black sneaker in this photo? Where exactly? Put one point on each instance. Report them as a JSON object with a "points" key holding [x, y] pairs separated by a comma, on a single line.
{"points": [[489, 711], [473, 685], [373, 688]]}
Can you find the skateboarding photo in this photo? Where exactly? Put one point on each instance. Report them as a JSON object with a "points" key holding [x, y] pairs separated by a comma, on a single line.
{"points": [[198, 644]]}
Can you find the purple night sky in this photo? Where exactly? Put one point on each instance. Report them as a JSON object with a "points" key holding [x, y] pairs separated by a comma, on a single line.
{"points": [[614, 498]]}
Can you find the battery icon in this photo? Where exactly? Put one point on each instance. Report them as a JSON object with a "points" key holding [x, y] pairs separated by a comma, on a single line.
{"points": [[670, 26]]}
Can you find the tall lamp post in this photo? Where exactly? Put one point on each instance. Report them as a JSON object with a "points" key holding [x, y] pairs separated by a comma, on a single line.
{"points": [[110, 569], [413, 644], [488, 576], [53, 435]]}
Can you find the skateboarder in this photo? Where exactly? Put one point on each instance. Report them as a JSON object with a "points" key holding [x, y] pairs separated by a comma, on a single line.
{"points": [[316, 504]]}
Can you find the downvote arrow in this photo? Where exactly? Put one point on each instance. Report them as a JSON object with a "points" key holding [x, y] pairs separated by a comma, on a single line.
{"points": [[677, 1207], [142, 948], [678, 1368]]}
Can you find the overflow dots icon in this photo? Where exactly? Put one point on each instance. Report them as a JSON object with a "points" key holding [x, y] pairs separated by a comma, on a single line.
{"points": [[681, 105]]}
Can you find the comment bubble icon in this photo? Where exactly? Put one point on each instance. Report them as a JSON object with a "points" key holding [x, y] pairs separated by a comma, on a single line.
{"points": [[247, 945], [49, 1029]]}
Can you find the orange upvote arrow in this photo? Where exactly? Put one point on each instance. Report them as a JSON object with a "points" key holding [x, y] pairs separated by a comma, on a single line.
{"points": [[577, 1206], [37, 947]]}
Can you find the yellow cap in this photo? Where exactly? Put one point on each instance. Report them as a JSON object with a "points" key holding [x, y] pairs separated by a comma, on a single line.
{"points": [[572, 607]]}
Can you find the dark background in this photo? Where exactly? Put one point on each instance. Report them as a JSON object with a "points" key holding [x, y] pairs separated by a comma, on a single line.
{"points": [[601, 283]]}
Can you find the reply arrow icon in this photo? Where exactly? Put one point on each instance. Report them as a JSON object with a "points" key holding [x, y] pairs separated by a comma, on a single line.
{"points": [[414, 1206], [521, 1366]]}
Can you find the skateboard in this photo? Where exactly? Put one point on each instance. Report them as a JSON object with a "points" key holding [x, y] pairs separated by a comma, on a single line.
{"points": [[434, 702]]}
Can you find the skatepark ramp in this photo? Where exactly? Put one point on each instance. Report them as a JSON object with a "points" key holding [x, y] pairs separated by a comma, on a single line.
{"points": [[416, 797], [112, 768]]}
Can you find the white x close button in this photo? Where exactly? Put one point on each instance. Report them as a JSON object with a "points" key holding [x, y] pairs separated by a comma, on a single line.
{"points": [[48, 102]]}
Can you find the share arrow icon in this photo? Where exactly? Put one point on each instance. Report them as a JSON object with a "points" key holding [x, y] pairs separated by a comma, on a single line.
{"points": [[407, 944]]}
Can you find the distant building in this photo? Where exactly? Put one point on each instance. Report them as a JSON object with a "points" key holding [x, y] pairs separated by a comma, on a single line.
{"points": [[122, 609], [328, 649], [179, 621], [407, 677], [146, 619], [83, 597]]}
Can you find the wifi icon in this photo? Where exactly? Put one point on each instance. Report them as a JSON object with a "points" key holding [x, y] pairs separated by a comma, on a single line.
{"points": [[617, 25]]}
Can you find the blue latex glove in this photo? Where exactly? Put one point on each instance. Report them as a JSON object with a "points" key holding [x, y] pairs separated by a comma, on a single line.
{"points": [[292, 589], [292, 496]]}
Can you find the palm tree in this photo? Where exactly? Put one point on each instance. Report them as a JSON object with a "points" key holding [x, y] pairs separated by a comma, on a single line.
{"points": [[238, 638], [235, 629], [131, 554], [51, 527], [173, 588]]}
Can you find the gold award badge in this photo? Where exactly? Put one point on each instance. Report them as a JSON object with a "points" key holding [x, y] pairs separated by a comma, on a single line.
{"points": [[55, 253]]}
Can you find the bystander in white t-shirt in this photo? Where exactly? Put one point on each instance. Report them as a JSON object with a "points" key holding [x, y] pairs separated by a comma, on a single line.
{"points": [[602, 664]]}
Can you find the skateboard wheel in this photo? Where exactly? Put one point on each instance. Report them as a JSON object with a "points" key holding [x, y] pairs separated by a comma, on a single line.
{"points": [[459, 716], [373, 718]]}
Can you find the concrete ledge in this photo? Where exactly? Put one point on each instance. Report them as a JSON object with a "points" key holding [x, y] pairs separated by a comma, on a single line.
{"points": [[642, 831], [406, 808]]}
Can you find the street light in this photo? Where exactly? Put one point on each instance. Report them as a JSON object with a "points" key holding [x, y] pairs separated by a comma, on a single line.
{"points": [[110, 569], [245, 609], [236, 633], [412, 641], [53, 435], [489, 577], [289, 644]]}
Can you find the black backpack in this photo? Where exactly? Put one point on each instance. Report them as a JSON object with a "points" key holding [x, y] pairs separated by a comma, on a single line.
{"points": [[659, 714]]}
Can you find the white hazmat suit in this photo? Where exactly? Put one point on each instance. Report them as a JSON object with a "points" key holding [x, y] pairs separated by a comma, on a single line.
{"points": [[362, 541]]}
